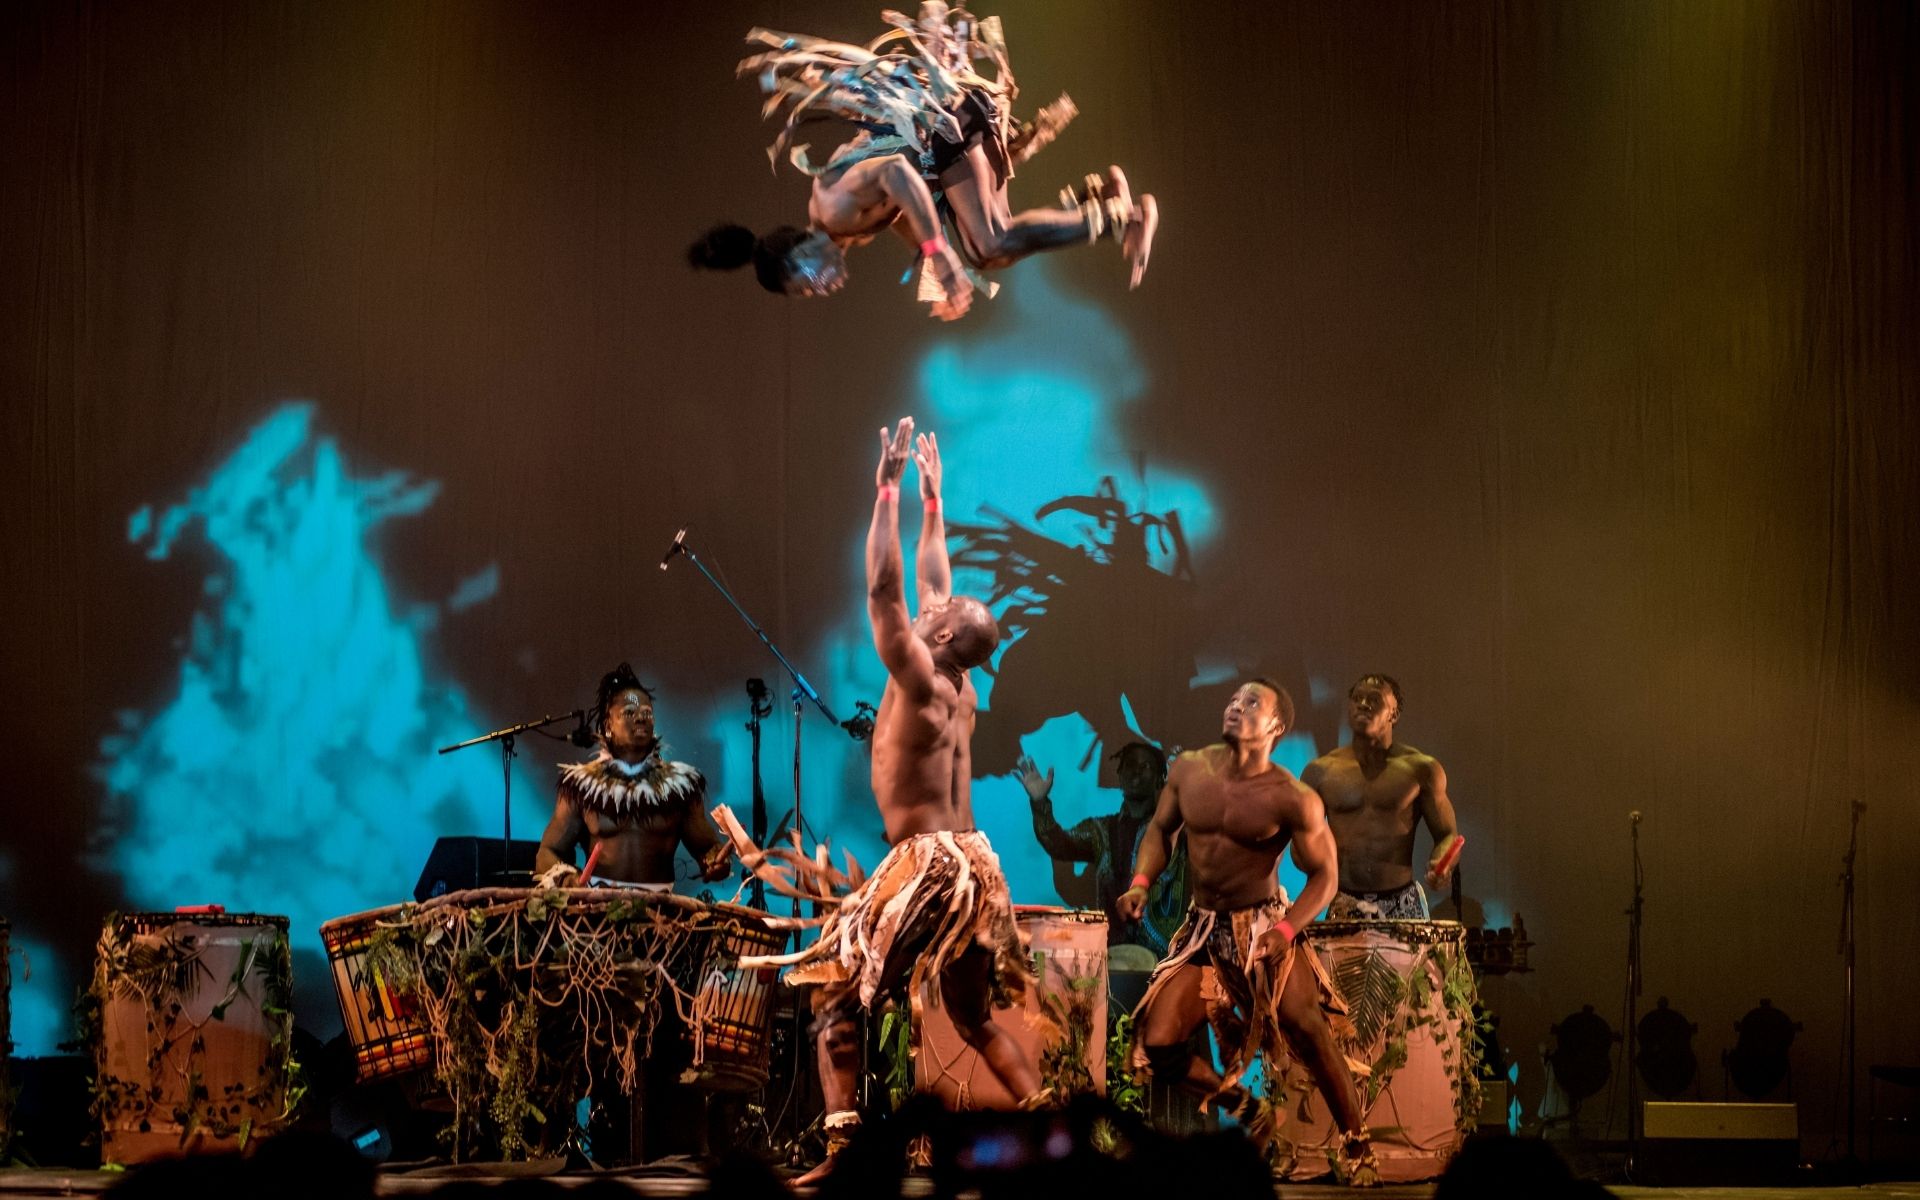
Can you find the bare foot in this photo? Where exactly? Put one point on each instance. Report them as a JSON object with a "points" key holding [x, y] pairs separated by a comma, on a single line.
{"points": [[1138, 245], [1045, 126], [814, 1177]]}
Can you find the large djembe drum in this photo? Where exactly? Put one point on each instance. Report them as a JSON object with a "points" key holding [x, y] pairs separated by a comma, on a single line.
{"points": [[1063, 1024], [383, 1025], [192, 1043], [1410, 992], [730, 1036]]}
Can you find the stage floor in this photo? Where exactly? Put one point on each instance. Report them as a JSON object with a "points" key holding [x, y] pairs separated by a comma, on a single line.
{"points": [[24, 1182]]}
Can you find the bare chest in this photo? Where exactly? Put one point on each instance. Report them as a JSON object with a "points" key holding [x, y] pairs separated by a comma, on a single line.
{"points": [[1348, 789], [662, 822], [1247, 812]]}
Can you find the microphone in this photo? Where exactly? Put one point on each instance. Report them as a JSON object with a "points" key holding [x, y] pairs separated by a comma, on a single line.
{"points": [[679, 545], [1634, 816], [860, 725], [582, 736]]}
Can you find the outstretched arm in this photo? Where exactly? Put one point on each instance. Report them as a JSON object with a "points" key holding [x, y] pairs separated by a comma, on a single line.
{"points": [[906, 656], [1436, 809], [933, 571], [1075, 845]]}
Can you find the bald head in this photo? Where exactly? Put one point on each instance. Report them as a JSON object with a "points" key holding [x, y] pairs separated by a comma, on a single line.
{"points": [[961, 632]]}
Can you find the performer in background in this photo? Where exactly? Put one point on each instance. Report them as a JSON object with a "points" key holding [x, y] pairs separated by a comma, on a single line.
{"points": [[1377, 790], [1112, 841], [936, 149], [1238, 962], [934, 917], [631, 802]]}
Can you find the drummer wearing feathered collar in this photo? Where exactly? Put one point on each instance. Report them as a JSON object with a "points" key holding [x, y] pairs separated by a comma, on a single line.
{"points": [[630, 805]]}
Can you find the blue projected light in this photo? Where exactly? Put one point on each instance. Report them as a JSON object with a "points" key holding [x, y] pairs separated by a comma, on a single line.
{"points": [[1027, 407], [1027, 415], [290, 768], [40, 1006]]}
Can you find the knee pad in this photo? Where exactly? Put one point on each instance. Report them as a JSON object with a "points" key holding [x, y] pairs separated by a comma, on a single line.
{"points": [[1169, 1063]]}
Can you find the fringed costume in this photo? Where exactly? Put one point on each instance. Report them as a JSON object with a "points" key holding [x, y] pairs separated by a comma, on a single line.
{"points": [[934, 897], [914, 92], [1242, 993]]}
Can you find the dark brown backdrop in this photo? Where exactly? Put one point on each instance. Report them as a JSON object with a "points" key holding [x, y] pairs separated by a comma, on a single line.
{"points": [[1556, 358]]}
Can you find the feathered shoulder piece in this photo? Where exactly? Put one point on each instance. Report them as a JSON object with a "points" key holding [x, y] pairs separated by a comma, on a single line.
{"points": [[606, 784]]}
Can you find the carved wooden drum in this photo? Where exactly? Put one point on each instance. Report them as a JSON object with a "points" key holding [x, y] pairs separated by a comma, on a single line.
{"points": [[191, 1046], [388, 1035], [1411, 995], [1063, 1023]]}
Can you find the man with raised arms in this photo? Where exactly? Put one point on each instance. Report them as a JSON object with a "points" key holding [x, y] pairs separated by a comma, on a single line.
{"points": [[934, 918]]}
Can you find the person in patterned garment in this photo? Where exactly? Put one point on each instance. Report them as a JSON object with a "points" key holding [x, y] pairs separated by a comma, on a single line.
{"points": [[1110, 842], [934, 920]]}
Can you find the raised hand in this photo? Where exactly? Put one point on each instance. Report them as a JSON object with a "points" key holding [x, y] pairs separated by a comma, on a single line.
{"points": [[895, 449], [926, 455], [1038, 786]]}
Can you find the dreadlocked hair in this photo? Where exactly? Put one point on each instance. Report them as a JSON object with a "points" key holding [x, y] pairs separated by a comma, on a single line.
{"points": [[730, 247]]}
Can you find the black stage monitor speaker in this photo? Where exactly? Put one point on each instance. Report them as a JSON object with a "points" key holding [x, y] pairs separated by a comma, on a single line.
{"points": [[1732, 1145], [459, 863]]}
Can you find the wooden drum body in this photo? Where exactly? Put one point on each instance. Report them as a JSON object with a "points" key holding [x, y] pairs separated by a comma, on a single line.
{"points": [[191, 1050], [388, 1034], [1411, 993], [1063, 1023], [734, 1005]]}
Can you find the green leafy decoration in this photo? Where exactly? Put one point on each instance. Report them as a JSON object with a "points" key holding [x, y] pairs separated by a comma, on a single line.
{"points": [[1373, 991], [162, 973]]}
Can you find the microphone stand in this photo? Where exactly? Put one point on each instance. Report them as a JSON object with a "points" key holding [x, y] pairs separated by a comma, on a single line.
{"points": [[801, 688], [799, 681], [507, 753], [1635, 916], [1847, 947], [759, 708]]}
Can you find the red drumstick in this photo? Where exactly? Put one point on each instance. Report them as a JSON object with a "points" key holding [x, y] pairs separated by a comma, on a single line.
{"points": [[593, 856], [1451, 857]]}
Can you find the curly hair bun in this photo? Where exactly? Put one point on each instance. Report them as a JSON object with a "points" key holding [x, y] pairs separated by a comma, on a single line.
{"points": [[722, 248]]}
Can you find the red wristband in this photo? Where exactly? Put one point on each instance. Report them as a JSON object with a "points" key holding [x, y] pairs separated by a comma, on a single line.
{"points": [[932, 246], [931, 502], [1142, 882], [890, 491], [1290, 932]]}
